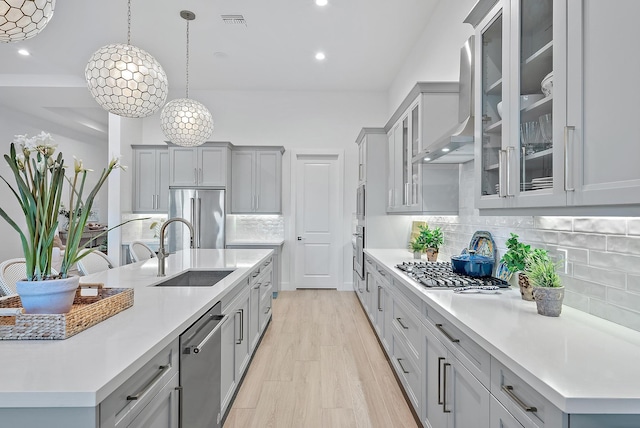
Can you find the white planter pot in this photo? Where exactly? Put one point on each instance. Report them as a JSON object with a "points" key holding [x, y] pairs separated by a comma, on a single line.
{"points": [[53, 296]]}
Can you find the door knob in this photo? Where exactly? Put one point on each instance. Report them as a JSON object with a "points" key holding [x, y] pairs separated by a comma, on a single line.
{"points": [[299, 238]]}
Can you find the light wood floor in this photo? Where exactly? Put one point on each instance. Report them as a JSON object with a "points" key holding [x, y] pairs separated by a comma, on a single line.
{"points": [[319, 365]]}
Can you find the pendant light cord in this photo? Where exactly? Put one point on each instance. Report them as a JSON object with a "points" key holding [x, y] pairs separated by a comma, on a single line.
{"points": [[129, 23], [187, 59]]}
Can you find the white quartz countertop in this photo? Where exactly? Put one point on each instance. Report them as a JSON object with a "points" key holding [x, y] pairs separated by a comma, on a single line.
{"points": [[581, 363], [83, 370]]}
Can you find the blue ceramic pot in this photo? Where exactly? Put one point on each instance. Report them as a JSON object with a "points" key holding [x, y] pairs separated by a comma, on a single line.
{"points": [[472, 264]]}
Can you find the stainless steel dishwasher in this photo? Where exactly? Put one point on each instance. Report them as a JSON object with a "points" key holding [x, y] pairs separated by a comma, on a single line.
{"points": [[200, 371]]}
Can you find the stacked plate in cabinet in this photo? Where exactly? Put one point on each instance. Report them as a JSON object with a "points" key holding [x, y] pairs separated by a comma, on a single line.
{"points": [[541, 183]]}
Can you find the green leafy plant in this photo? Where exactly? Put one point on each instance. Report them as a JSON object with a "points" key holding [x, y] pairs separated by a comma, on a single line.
{"points": [[427, 238], [516, 255], [39, 177], [416, 245], [541, 270]]}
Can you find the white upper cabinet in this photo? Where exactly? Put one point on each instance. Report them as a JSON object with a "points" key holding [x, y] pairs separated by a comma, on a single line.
{"points": [[150, 179], [430, 109], [202, 166], [602, 103], [256, 180], [568, 147]]}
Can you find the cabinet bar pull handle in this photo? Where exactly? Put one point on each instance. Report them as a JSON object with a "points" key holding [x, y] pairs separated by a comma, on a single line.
{"points": [[447, 335], [444, 388], [501, 192], [268, 309], [153, 382], [257, 286], [257, 202], [405, 371], [366, 282], [402, 324], [195, 175], [382, 272], [440, 360], [241, 312], [508, 172], [567, 157], [379, 308], [508, 389]]}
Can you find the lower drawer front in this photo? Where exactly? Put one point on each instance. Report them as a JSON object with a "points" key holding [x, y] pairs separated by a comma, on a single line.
{"points": [[408, 324], [126, 402], [407, 370], [528, 406], [500, 417]]}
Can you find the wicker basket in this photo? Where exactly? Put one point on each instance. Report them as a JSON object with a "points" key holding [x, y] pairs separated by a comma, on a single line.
{"points": [[86, 312]]}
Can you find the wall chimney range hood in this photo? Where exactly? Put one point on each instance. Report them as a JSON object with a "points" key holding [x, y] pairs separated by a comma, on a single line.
{"points": [[456, 145]]}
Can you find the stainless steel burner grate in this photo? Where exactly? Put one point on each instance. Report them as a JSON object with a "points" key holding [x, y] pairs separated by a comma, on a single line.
{"points": [[440, 275]]}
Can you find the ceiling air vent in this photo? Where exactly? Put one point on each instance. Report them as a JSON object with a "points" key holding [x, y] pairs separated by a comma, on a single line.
{"points": [[233, 19]]}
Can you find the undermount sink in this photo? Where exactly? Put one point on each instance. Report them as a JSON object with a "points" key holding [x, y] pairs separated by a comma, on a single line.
{"points": [[195, 278]]}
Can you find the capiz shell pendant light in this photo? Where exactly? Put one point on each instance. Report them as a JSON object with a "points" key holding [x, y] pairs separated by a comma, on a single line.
{"points": [[23, 19], [125, 80], [186, 122]]}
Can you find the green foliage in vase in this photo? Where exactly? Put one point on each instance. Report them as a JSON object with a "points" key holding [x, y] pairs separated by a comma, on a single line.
{"points": [[427, 238], [40, 175], [516, 255], [541, 270]]}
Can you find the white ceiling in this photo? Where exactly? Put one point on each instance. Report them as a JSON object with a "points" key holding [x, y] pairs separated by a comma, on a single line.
{"points": [[365, 42]]}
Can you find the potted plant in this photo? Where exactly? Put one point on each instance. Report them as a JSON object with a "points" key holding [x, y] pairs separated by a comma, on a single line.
{"points": [[431, 240], [548, 290], [514, 261], [417, 246], [40, 176]]}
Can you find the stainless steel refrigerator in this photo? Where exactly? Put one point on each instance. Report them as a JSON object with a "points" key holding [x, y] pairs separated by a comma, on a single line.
{"points": [[204, 208]]}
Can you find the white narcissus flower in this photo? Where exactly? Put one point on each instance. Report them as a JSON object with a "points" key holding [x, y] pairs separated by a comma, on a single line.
{"points": [[44, 143], [115, 163], [78, 166], [20, 161]]}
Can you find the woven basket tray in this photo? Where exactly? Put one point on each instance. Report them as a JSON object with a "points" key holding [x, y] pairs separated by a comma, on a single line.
{"points": [[86, 312]]}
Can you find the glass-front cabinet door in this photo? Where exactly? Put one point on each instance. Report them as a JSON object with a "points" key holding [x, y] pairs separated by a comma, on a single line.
{"points": [[490, 152], [521, 157]]}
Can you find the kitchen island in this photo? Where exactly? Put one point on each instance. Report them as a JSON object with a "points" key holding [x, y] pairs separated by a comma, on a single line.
{"points": [[75, 375], [573, 370]]}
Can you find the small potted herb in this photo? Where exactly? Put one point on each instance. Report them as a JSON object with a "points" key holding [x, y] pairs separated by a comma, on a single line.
{"points": [[417, 247], [433, 240], [514, 261], [548, 290]]}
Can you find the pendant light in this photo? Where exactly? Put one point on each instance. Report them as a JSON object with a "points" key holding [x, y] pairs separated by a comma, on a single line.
{"points": [[126, 80], [23, 19], [186, 122]]}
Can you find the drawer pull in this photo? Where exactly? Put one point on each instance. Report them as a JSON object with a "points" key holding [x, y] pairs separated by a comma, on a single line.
{"points": [[402, 324], [440, 360], [405, 371], [150, 385], [508, 389], [447, 335], [379, 299], [444, 388], [255, 274], [267, 310], [257, 286]]}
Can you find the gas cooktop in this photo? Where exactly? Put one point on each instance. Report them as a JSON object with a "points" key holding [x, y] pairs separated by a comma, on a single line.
{"points": [[438, 275]]}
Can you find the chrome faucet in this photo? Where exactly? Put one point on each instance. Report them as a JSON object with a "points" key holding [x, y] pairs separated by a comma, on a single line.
{"points": [[162, 253]]}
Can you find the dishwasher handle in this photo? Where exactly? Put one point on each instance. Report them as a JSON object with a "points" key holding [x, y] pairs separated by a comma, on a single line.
{"points": [[196, 349]]}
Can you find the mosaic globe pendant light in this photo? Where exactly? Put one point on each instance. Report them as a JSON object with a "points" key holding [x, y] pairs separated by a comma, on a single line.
{"points": [[23, 19], [125, 80], [186, 122]]}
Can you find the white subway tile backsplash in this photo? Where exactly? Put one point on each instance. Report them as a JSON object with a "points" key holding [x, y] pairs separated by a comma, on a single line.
{"points": [[633, 226], [603, 275], [583, 240], [623, 244], [610, 226]]}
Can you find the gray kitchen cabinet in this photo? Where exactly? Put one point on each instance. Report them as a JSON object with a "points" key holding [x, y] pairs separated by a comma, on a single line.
{"points": [[202, 166], [256, 180], [150, 179], [243, 341], [430, 109], [154, 386], [500, 417], [572, 165], [163, 411], [254, 309], [274, 263], [228, 379]]}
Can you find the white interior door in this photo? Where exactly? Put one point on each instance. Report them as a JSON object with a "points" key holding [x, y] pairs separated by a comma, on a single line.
{"points": [[318, 191]]}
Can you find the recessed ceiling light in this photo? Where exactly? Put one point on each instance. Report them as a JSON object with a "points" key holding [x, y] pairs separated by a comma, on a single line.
{"points": [[445, 149], [24, 52], [321, 2], [320, 56], [427, 159]]}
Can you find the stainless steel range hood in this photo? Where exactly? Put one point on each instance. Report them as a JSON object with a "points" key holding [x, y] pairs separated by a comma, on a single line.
{"points": [[456, 145]]}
